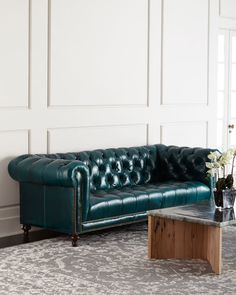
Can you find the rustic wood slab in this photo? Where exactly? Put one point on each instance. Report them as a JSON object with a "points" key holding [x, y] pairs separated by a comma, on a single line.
{"points": [[169, 238]]}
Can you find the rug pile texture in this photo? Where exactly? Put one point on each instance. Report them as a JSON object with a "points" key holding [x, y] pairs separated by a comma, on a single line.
{"points": [[111, 262]]}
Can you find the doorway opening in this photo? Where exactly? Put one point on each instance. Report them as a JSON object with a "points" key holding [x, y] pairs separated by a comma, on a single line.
{"points": [[226, 90]]}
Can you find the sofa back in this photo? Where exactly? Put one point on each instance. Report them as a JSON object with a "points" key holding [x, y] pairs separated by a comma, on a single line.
{"points": [[115, 168], [182, 163]]}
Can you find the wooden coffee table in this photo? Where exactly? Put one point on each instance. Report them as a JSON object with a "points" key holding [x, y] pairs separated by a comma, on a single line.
{"points": [[188, 232]]}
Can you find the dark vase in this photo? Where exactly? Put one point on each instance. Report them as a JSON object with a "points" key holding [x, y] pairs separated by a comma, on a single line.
{"points": [[218, 198]]}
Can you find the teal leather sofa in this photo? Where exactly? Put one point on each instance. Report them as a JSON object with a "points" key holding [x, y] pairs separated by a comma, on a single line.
{"points": [[79, 192]]}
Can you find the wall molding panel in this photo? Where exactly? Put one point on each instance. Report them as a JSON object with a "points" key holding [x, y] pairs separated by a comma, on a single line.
{"points": [[14, 54], [117, 72], [227, 9], [180, 133], [81, 75], [63, 139], [186, 67], [13, 142]]}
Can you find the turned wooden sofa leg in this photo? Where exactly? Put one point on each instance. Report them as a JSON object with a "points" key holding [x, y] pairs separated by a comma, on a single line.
{"points": [[26, 228], [74, 239]]}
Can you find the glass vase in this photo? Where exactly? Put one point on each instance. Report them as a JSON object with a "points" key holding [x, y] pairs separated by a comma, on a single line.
{"points": [[224, 199], [229, 198], [224, 215]]}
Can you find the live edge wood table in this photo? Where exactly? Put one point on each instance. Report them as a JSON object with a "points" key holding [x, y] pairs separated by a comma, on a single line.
{"points": [[188, 232]]}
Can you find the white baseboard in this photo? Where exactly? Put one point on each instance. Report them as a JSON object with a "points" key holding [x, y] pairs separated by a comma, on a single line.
{"points": [[10, 221]]}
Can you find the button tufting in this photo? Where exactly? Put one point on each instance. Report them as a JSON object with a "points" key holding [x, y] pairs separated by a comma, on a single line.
{"points": [[116, 166], [127, 165], [102, 168], [123, 178], [135, 177], [138, 164], [96, 181], [110, 179]]}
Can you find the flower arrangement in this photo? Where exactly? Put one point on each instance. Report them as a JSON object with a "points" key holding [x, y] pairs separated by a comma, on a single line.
{"points": [[221, 168]]}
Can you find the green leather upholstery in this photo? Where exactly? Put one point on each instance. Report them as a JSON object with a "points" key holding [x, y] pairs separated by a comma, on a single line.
{"points": [[78, 192], [140, 198]]}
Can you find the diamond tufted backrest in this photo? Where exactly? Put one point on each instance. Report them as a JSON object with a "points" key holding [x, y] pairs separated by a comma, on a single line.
{"points": [[182, 163], [114, 168]]}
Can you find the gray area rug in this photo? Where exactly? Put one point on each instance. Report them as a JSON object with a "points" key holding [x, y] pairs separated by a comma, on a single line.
{"points": [[110, 262]]}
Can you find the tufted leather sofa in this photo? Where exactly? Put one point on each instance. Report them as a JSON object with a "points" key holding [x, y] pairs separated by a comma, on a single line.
{"points": [[80, 192]]}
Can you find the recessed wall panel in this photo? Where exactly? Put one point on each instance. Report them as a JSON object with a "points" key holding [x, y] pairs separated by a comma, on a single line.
{"points": [[228, 8], [13, 143], [185, 52], [193, 134], [98, 52], [14, 53], [95, 137]]}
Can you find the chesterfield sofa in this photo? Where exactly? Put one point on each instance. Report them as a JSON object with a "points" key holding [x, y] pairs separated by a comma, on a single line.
{"points": [[75, 193]]}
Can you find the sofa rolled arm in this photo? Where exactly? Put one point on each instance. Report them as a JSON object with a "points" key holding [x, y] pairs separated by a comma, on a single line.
{"points": [[48, 171], [40, 169], [183, 163]]}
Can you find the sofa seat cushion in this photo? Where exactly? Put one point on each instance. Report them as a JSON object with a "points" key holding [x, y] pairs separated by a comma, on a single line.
{"points": [[140, 198]]}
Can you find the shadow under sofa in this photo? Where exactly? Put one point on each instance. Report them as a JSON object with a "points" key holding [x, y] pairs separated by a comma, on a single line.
{"points": [[79, 192]]}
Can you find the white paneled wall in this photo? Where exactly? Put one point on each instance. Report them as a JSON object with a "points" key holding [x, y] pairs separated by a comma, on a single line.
{"points": [[62, 139], [14, 53], [12, 143], [173, 133], [87, 74], [228, 8], [98, 52], [185, 52]]}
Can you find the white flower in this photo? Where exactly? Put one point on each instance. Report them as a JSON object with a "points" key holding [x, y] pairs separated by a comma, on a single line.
{"points": [[209, 165], [233, 151], [212, 165], [225, 158], [211, 172], [219, 162], [214, 156]]}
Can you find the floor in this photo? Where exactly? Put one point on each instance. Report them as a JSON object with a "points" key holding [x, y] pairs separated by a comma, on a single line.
{"points": [[110, 262], [34, 236]]}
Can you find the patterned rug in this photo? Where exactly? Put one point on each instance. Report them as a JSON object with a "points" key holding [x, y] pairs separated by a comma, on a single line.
{"points": [[111, 262]]}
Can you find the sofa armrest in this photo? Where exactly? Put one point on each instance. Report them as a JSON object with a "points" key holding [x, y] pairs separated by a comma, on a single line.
{"points": [[182, 163], [40, 169], [43, 170]]}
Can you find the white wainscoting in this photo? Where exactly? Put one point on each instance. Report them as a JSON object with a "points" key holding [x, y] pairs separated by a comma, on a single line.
{"points": [[14, 53], [98, 52], [193, 134], [228, 8], [12, 144], [9, 221], [95, 137], [185, 32], [78, 75]]}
